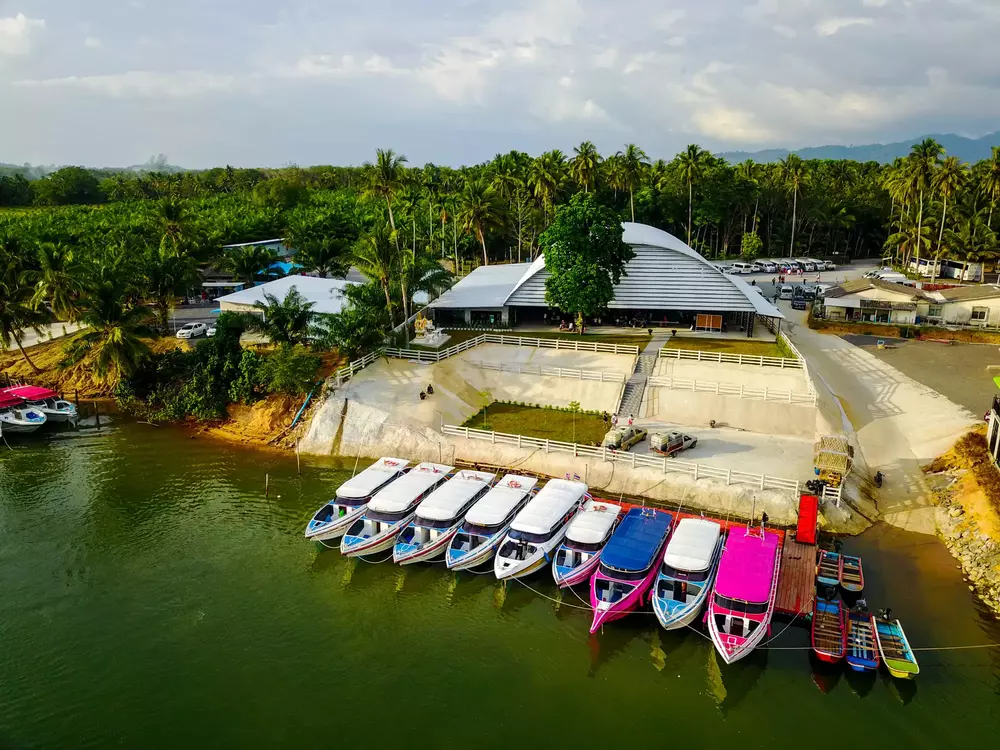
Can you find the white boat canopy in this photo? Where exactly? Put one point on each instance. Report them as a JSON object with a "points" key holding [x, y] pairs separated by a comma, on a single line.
{"points": [[553, 501], [402, 493], [369, 480], [500, 500], [447, 501], [693, 544], [594, 523]]}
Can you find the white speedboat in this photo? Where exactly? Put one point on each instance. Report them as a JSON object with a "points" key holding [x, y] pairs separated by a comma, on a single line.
{"points": [[392, 509], [352, 498], [539, 528], [16, 416], [687, 572], [578, 555], [487, 523], [439, 517], [45, 400]]}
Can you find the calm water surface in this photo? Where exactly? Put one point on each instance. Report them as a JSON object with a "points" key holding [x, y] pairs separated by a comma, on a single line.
{"points": [[153, 597]]}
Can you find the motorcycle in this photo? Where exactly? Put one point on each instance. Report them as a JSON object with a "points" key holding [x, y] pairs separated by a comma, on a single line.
{"points": [[878, 479]]}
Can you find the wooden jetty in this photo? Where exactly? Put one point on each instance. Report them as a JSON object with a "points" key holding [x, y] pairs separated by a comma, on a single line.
{"points": [[797, 581]]}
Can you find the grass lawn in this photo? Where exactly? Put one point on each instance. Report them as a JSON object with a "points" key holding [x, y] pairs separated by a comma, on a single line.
{"points": [[457, 337], [533, 422], [728, 346]]}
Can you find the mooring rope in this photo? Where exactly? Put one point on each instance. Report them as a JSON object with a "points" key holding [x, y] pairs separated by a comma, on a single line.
{"points": [[554, 601]]}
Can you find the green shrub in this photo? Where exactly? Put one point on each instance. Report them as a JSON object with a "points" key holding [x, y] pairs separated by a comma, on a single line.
{"points": [[290, 370]]}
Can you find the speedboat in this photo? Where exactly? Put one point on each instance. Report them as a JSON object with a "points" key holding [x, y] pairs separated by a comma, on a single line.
{"points": [[628, 564], [487, 522], [45, 400], [16, 416], [539, 528], [586, 536], [439, 517], [352, 498], [742, 604], [687, 572], [391, 510]]}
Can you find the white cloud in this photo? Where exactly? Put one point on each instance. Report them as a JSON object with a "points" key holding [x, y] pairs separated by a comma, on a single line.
{"points": [[142, 83], [875, 3], [730, 125], [17, 34], [830, 26], [785, 31], [92, 42]]}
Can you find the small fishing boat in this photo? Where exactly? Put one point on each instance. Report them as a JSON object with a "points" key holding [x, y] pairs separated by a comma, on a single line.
{"points": [[895, 649], [852, 577], [862, 648], [487, 522], [45, 400], [687, 572], [586, 536], [391, 509], [18, 417], [352, 498], [742, 604], [829, 635], [439, 516], [539, 528], [627, 565], [829, 568]]}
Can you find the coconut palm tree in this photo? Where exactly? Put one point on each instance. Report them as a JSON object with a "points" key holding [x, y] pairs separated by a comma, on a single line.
{"points": [[166, 275], [971, 240], [920, 167], [479, 211], [247, 262], [585, 165], [420, 273], [910, 237], [287, 321], [947, 181], [989, 183], [633, 162], [385, 178], [377, 256], [18, 309], [692, 164], [794, 174], [614, 174], [545, 177], [57, 280]]}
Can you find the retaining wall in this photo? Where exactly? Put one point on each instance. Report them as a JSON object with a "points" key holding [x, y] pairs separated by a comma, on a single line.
{"points": [[698, 409]]}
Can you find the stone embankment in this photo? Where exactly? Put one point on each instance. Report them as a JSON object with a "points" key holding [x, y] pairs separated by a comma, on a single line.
{"points": [[978, 553]]}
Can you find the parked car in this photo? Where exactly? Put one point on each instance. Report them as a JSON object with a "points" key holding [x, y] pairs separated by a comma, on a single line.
{"points": [[192, 330], [669, 443], [798, 303], [829, 265], [768, 267], [210, 332], [806, 292], [623, 438], [740, 267], [785, 292]]}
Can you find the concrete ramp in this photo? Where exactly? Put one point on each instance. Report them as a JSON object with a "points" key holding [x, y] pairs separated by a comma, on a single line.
{"points": [[698, 409]]}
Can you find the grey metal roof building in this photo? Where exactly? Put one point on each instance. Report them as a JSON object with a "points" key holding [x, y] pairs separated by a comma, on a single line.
{"points": [[665, 278]]}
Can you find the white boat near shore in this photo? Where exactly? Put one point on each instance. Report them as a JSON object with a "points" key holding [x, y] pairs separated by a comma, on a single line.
{"points": [[487, 522], [17, 417], [352, 498]]}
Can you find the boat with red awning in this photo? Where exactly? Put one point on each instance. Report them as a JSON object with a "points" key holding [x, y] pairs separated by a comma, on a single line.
{"points": [[48, 402], [17, 416]]}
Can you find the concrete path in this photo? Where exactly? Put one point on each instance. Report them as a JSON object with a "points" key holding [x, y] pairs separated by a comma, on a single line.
{"points": [[900, 423], [49, 331]]}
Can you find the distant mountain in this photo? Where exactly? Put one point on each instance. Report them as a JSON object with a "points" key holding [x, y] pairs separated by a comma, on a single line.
{"points": [[966, 149]]}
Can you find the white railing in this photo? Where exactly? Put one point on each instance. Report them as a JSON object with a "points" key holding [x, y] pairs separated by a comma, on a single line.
{"points": [[696, 355], [556, 372], [832, 494], [567, 344], [731, 389], [348, 371], [663, 463]]}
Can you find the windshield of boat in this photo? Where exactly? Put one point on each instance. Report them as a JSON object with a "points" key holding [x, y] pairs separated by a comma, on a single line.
{"points": [[684, 575], [428, 524], [480, 530], [524, 536], [623, 575], [387, 517], [352, 502], [741, 607], [585, 547]]}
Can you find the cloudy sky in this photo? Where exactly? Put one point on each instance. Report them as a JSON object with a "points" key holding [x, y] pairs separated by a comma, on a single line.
{"points": [[258, 82]]}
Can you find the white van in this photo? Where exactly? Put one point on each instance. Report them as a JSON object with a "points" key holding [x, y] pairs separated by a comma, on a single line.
{"points": [[741, 267], [805, 264], [786, 292], [764, 266]]}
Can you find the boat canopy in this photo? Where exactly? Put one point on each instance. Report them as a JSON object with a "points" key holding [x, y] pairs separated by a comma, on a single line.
{"points": [[31, 392], [637, 539], [546, 509], [692, 546], [502, 498], [593, 525], [747, 566], [448, 500], [402, 493], [369, 480], [7, 401]]}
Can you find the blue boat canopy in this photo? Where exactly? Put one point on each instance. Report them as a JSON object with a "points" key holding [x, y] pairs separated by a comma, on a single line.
{"points": [[637, 539]]}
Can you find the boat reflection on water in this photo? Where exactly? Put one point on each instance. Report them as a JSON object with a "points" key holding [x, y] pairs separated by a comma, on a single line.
{"points": [[824, 675], [861, 683], [730, 684], [607, 645], [902, 690]]}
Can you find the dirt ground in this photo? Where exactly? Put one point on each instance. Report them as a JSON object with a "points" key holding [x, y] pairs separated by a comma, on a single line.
{"points": [[957, 371]]}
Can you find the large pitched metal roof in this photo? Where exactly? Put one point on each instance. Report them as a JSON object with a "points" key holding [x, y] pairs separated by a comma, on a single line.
{"points": [[486, 286]]}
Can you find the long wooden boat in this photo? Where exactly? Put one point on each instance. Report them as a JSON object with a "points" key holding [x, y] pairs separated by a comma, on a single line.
{"points": [[852, 577], [895, 649], [829, 634], [862, 648], [829, 569]]}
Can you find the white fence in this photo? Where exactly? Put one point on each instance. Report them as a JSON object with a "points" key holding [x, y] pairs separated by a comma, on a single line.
{"points": [[731, 389], [555, 372], [832, 494], [696, 355], [663, 463]]}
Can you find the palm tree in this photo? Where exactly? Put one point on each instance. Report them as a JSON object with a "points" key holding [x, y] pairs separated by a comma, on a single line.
{"points": [[377, 256], [545, 177], [505, 176], [166, 275], [286, 322], [585, 166], [972, 240], [385, 178], [421, 274], [18, 309], [794, 174], [57, 280], [989, 183], [910, 237], [692, 164], [920, 167], [614, 174], [633, 162], [479, 211], [247, 262], [947, 181]]}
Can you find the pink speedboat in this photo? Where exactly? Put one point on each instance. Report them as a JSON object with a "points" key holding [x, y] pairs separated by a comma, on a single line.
{"points": [[741, 606], [628, 564]]}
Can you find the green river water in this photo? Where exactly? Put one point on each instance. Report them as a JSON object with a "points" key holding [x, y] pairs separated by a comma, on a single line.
{"points": [[154, 598]]}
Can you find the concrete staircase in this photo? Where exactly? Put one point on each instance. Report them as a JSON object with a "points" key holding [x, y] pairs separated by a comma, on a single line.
{"points": [[636, 385]]}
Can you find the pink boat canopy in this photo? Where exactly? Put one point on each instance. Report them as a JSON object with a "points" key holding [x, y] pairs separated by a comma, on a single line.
{"points": [[7, 401], [30, 392], [747, 567]]}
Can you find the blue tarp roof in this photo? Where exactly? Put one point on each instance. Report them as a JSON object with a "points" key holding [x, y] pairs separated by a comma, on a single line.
{"points": [[637, 539]]}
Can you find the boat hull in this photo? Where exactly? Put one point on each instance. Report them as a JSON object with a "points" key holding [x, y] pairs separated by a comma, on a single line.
{"points": [[566, 577], [605, 613], [424, 553], [862, 643], [675, 618], [892, 638], [353, 546], [732, 648], [335, 529], [525, 568], [475, 557], [58, 416], [21, 428]]}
